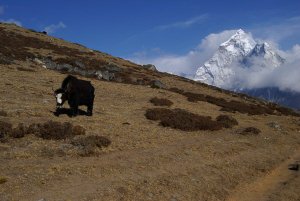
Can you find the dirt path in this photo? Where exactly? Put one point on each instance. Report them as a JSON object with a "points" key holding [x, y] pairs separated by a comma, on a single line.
{"points": [[274, 186]]}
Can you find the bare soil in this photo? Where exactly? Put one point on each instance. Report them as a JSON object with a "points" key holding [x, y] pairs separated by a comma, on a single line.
{"points": [[144, 161]]}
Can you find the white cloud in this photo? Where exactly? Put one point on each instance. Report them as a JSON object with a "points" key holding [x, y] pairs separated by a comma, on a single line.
{"points": [[285, 77], [189, 63], [54, 27], [1, 10], [183, 24], [10, 21]]}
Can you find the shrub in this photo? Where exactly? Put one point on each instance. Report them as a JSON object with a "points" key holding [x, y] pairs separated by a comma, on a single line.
{"points": [[58, 131], [92, 141], [193, 97], [5, 128], [18, 132], [3, 180], [88, 144], [78, 130], [161, 102], [181, 119], [3, 113], [250, 130], [227, 121]]}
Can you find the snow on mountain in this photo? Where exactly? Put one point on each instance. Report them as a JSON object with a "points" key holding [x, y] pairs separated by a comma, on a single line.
{"points": [[263, 56], [217, 71], [242, 52]]}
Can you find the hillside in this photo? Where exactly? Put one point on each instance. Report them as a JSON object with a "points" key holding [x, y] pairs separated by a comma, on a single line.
{"points": [[205, 143]]}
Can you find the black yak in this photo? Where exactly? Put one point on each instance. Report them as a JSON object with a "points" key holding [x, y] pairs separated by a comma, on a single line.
{"points": [[77, 92]]}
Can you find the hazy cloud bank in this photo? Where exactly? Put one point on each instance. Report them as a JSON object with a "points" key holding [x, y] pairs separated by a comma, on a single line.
{"points": [[10, 21], [54, 27]]}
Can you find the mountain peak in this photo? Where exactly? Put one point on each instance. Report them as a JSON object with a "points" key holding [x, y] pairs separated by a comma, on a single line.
{"points": [[240, 32], [241, 48]]}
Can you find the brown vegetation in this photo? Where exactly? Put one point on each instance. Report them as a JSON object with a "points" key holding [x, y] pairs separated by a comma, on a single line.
{"points": [[161, 102], [89, 144], [49, 130], [250, 130], [181, 119], [57, 131], [5, 128], [227, 121]]}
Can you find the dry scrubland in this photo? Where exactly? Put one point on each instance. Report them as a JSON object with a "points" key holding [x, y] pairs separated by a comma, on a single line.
{"points": [[187, 142]]}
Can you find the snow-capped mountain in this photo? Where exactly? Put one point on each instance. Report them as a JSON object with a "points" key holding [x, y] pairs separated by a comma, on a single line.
{"points": [[240, 48], [217, 71], [262, 55]]}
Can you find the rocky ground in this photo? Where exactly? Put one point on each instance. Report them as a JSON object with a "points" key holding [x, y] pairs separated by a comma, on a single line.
{"points": [[147, 159]]}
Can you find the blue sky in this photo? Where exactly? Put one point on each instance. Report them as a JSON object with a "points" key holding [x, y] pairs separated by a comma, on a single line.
{"points": [[147, 31]]}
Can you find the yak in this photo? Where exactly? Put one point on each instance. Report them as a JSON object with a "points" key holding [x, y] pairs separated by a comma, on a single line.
{"points": [[77, 92]]}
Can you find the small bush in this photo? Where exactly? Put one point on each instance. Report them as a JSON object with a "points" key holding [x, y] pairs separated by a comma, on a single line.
{"points": [[3, 113], [18, 132], [78, 130], [176, 90], [161, 102], [89, 143], [56, 130], [3, 180], [92, 141], [227, 121], [193, 97], [250, 130], [181, 119], [5, 129]]}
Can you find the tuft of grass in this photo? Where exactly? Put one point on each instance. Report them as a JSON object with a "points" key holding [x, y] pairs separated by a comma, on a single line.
{"points": [[250, 130], [3, 113], [3, 180], [182, 120], [55, 130], [161, 102], [18, 132], [227, 121], [90, 143], [5, 128]]}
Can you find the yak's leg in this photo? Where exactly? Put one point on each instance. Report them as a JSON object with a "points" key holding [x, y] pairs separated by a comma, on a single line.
{"points": [[90, 107], [74, 107]]}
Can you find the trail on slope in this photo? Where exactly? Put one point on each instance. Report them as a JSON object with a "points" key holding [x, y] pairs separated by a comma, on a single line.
{"points": [[274, 186]]}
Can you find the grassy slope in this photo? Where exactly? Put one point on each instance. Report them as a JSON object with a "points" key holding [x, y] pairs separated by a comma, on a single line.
{"points": [[145, 160]]}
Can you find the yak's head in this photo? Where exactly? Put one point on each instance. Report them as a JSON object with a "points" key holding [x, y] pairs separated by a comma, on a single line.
{"points": [[61, 96]]}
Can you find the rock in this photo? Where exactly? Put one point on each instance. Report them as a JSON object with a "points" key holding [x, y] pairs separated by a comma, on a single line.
{"points": [[79, 64], [150, 67], [105, 75], [113, 68], [79, 71], [4, 60], [37, 61], [64, 67], [48, 63], [158, 84], [276, 126]]}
